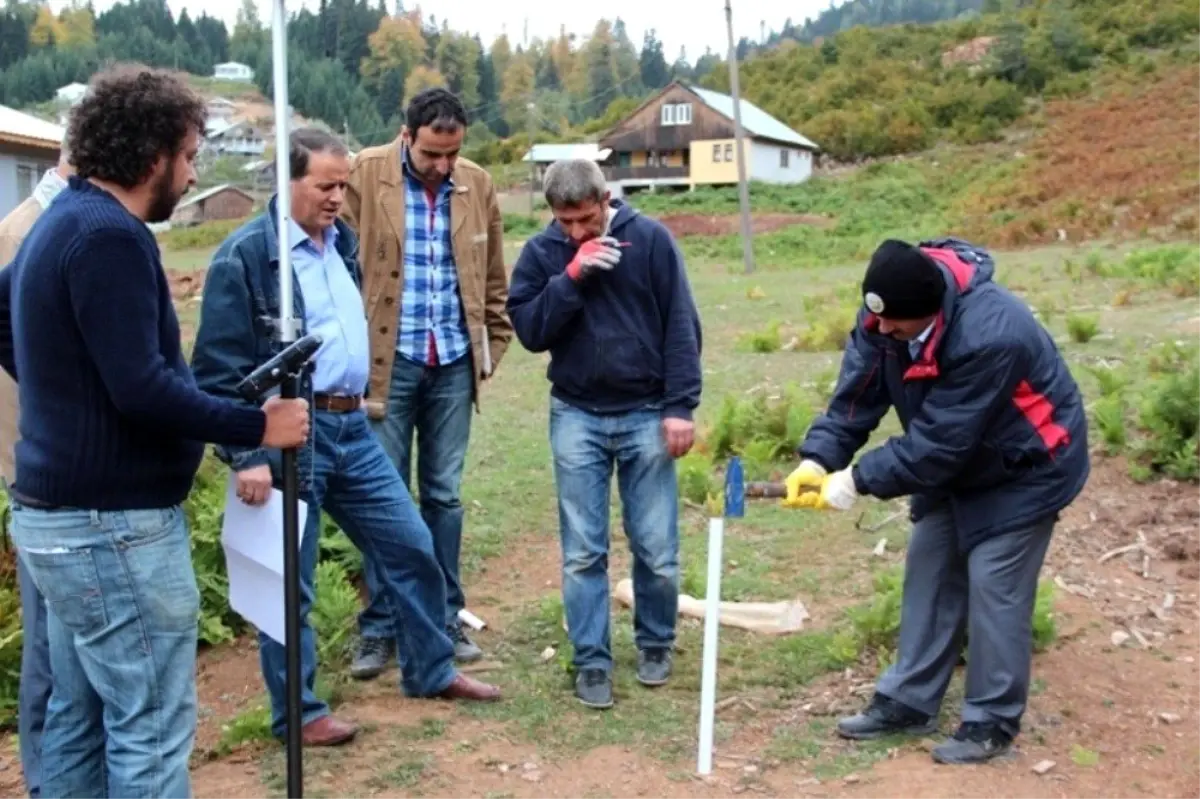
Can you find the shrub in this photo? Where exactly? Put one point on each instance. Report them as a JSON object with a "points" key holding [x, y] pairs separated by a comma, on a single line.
{"points": [[871, 630], [207, 235], [1081, 328], [762, 341]]}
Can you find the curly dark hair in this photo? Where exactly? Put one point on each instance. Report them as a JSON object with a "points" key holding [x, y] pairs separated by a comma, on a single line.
{"points": [[130, 116]]}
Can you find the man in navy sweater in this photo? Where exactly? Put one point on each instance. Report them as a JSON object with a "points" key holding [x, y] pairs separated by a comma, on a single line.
{"points": [[112, 431], [605, 291]]}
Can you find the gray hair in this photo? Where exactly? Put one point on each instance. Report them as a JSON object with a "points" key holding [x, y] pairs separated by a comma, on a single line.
{"points": [[306, 141], [573, 182]]}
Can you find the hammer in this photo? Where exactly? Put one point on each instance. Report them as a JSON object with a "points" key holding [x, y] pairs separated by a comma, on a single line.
{"points": [[765, 490]]}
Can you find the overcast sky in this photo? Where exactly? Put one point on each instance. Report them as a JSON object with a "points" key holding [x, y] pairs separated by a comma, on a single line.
{"points": [[685, 23]]}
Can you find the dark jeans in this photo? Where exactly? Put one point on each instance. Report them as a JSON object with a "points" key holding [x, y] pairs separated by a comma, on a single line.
{"points": [[586, 448], [354, 482], [33, 695], [990, 593], [436, 404]]}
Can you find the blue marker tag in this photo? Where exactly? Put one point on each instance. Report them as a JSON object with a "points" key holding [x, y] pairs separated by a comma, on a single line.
{"points": [[735, 489]]}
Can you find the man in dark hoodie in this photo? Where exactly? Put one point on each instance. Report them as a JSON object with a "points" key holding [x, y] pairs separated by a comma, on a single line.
{"points": [[994, 447], [604, 290]]}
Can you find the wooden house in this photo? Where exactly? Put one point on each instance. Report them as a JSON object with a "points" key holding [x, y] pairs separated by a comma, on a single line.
{"points": [[684, 136]]}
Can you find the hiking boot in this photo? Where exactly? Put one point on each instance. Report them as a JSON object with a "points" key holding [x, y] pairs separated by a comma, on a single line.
{"points": [[885, 716], [973, 742], [465, 650], [653, 666], [371, 658], [593, 687]]}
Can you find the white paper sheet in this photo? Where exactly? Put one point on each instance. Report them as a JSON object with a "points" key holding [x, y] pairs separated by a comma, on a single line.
{"points": [[252, 537]]}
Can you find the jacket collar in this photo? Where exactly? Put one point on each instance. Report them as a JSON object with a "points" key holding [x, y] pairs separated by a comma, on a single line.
{"points": [[346, 242], [959, 276]]}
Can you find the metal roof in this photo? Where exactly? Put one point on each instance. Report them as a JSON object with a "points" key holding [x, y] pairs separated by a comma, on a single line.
{"points": [[756, 121], [16, 124], [549, 153], [204, 195]]}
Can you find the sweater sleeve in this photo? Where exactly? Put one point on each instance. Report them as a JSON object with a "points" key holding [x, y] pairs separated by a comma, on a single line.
{"points": [[112, 281], [681, 330], [7, 356]]}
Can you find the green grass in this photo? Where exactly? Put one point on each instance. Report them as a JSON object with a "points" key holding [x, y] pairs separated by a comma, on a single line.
{"points": [[511, 547]]}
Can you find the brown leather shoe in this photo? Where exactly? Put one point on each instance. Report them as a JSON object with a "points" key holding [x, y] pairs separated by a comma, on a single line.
{"points": [[464, 687], [328, 731]]}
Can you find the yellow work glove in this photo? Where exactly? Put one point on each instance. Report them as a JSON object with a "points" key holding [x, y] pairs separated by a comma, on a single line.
{"points": [[837, 492], [807, 477]]}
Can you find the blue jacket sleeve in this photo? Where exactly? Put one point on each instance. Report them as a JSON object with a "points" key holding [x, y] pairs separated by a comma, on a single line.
{"points": [[224, 350], [944, 435], [540, 306], [860, 401], [8, 360], [113, 281], [682, 337]]}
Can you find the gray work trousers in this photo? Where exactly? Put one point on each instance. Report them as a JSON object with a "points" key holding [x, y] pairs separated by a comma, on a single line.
{"points": [[989, 593]]}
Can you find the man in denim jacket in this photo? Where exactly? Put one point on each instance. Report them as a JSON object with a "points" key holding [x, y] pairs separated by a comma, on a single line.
{"points": [[343, 469]]}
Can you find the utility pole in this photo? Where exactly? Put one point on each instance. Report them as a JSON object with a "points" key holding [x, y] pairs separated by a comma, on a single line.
{"points": [[739, 134], [531, 107]]}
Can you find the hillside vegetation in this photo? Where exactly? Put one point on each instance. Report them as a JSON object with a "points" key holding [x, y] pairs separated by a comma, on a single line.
{"points": [[868, 92], [859, 91]]}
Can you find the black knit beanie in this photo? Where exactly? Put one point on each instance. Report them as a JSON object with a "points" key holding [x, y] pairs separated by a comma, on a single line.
{"points": [[902, 282]]}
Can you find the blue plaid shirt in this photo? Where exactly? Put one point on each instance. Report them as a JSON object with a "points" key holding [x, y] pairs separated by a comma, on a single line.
{"points": [[432, 329]]}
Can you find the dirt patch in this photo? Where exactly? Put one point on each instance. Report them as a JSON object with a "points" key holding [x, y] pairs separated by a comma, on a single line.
{"points": [[1125, 163], [682, 225]]}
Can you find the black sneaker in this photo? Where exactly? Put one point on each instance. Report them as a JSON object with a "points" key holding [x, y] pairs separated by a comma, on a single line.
{"points": [[465, 650], [371, 658], [885, 716], [973, 742], [653, 666], [593, 687]]}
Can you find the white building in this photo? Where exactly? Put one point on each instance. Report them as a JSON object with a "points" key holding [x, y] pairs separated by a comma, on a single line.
{"points": [[233, 138], [28, 147], [232, 70], [543, 155], [71, 93]]}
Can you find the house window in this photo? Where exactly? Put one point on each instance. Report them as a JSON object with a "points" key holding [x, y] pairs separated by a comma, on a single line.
{"points": [[729, 152], [783, 158], [676, 114], [716, 153], [27, 179]]}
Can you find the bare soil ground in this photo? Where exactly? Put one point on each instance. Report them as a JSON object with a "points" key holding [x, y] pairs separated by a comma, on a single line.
{"points": [[1139, 172], [1116, 720], [682, 225]]}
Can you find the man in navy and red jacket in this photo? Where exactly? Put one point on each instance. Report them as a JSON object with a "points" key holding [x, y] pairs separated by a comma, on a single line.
{"points": [[994, 447]]}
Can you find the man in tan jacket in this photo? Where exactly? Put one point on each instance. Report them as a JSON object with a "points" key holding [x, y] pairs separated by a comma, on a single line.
{"points": [[34, 690], [435, 288]]}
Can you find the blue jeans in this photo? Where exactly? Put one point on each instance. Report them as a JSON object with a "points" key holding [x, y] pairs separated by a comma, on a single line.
{"points": [[33, 694], [122, 627], [436, 404], [586, 447], [355, 483]]}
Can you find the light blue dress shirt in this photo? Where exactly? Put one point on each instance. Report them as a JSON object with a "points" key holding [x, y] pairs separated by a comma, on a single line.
{"points": [[333, 308]]}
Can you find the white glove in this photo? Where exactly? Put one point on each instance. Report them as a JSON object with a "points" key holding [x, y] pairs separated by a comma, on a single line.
{"points": [[838, 491]]}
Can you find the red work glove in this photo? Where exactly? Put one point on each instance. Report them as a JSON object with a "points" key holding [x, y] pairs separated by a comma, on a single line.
{"points": [[593, 255]]}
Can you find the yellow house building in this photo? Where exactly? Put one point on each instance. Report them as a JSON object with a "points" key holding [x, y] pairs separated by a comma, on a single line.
{"points": [[684, 136]]}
